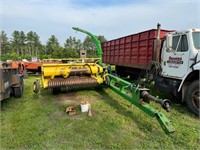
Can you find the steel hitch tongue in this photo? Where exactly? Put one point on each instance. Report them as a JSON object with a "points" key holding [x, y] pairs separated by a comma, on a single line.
{"points": [[141, 99], [164, 103]]}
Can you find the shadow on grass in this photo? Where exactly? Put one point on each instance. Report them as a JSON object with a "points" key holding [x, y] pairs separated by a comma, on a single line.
{"points": [[6, 102], [140, 121]]}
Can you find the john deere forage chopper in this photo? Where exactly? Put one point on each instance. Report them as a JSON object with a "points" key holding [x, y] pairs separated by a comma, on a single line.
{"points": [[72, 73]]}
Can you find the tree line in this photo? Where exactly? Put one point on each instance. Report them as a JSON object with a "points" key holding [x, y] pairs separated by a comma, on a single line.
{"points": [[23, 45]]}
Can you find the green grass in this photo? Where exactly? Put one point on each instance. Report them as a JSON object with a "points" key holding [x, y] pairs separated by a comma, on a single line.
{"points": [[39, 121]]}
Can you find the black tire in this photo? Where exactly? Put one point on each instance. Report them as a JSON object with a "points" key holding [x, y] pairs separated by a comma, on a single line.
{"points": [[152, 74], [192, 97], [107, 80], [36, 87], [18, 91], [134, 76], [121, 72]]}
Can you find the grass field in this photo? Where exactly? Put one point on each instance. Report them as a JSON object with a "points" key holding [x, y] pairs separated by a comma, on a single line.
{"points": [[39, 121]]}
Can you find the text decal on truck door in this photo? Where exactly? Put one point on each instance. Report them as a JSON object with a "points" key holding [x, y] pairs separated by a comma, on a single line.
{"points": [[174, 62]]}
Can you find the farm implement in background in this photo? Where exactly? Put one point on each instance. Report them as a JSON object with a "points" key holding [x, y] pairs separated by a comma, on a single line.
{"points": [[11, 80], [84, 72]]}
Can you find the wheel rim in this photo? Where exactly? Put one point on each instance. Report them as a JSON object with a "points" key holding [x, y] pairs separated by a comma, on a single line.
{"points": [[195, 99], [34, 87]]}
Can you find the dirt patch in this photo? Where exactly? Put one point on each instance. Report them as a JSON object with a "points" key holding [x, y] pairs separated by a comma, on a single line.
{"points": [[72, 99], [67, 99]]}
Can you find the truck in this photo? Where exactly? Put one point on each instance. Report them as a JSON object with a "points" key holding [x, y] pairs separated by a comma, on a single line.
{"points": [[11, 80], [170, 58]]}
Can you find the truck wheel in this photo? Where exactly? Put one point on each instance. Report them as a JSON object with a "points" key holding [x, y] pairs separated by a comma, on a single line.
{"points": [[36, 87], [18, 91], [134, 76], [152, 74], [192, 97]]}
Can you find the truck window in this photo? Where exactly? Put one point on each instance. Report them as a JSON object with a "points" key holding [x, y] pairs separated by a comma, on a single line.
{"points": [[180, 43], [175, 42], [196, 39]]}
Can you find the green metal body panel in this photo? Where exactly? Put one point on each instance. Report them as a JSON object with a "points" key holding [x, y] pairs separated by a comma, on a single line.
{"points": [[132, 93]]}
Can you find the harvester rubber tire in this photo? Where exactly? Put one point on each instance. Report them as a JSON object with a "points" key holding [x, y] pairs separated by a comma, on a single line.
{"points": [[107, 80], [192, 97], [36, 87]]}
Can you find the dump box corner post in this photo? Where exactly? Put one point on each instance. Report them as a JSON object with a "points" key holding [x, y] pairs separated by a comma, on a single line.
{"points": [[157, 45]]}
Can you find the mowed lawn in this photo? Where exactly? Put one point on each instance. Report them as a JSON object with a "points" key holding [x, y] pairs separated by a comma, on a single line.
{"points": [[39, 121]]}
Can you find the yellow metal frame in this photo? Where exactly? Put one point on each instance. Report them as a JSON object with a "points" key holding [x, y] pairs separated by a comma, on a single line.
{"points": [[52, 68], [72, 60]]}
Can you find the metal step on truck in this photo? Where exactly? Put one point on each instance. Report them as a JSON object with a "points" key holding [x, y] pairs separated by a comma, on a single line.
{"points": [[170, 58], [11, 81]]}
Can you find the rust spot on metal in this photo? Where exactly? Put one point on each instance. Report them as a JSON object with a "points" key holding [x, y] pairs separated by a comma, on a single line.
{"points": [[15, 80]]}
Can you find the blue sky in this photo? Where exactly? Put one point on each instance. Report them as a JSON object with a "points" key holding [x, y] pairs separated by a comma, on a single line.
{"points": [[111, 18]]}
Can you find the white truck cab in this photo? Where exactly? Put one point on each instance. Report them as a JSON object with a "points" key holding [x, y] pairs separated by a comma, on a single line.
{"points": [[180, 63]]}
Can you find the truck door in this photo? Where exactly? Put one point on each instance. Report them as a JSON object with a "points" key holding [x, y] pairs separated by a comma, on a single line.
{"points": [[175, 62]]}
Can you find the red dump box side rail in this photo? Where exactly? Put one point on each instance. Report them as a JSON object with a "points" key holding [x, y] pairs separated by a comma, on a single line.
{"points": [[134, 50]]}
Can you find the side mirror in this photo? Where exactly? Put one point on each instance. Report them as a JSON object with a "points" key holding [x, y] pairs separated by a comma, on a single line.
{"points": [[169, 42]]}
